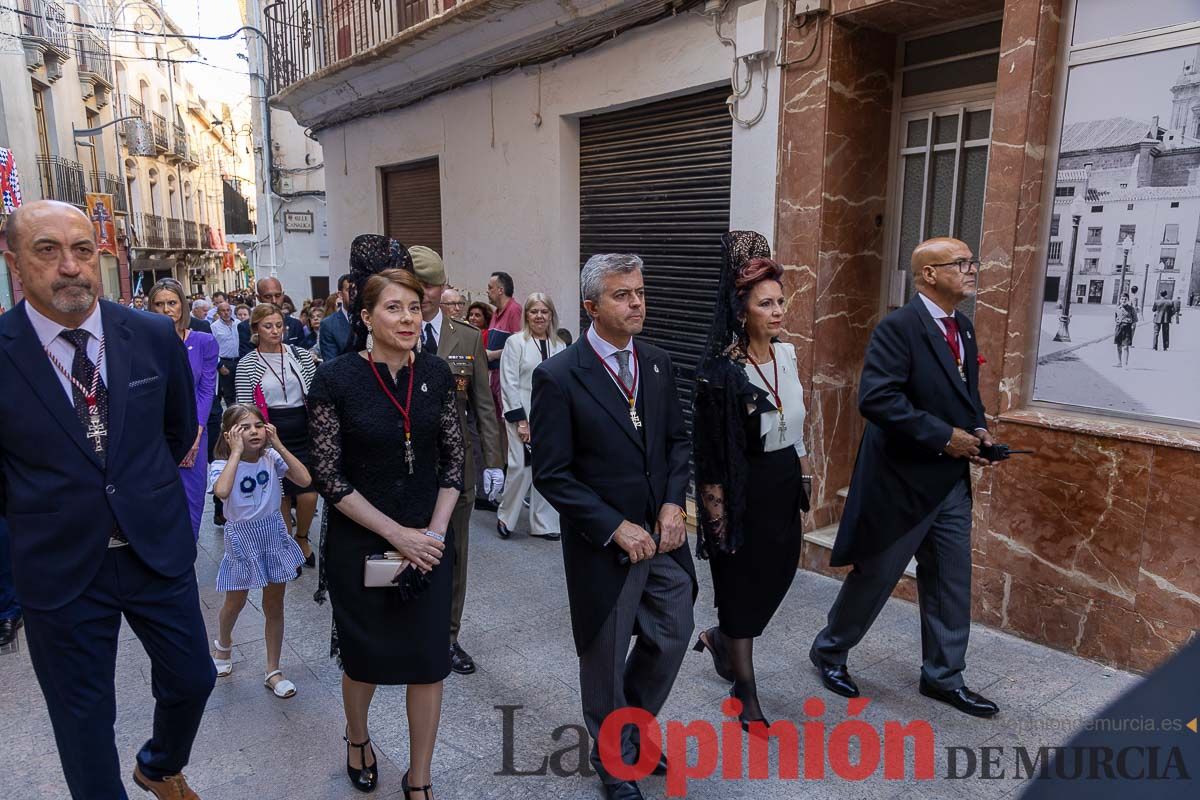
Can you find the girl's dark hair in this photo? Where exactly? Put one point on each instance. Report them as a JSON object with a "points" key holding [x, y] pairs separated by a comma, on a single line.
{"points": [[232, 416]]}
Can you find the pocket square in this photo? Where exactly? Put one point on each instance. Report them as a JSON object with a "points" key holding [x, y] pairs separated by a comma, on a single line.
{"points": [[142, 381]]}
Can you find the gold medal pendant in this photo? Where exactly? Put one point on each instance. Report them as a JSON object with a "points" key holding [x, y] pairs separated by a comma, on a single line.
{"points": [[782, 425], [634, 418], [408, 453]]}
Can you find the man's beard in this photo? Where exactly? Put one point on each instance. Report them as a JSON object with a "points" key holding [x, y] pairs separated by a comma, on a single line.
{"points": [[72, 296]]}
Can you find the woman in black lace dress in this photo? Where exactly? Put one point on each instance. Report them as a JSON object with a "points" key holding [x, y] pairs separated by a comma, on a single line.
{"points": [[388, 457]]}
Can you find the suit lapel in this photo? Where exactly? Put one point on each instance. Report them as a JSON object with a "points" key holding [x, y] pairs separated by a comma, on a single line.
{"points": [[118, 355], [600, 385], [941, 350], [649, 382], [447, 339], [26, 351]]}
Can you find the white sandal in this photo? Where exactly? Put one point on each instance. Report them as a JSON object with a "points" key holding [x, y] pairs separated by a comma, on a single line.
{"points": [[224, 665], [282, 689]]}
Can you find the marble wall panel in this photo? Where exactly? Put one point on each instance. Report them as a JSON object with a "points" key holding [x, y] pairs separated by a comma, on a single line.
{"points": [[899, 16], [1169, 572]]}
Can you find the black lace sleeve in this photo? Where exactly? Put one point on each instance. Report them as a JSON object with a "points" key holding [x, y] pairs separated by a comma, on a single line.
{"points": [[325, 433], [451, 450]]}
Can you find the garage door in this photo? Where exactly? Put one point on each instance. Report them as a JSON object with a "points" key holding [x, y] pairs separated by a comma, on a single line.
{"points": [[655, 181]]}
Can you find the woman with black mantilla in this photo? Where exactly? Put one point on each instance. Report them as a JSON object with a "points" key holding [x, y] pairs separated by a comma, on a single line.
{"points": [[388, 457], [751, 463]]}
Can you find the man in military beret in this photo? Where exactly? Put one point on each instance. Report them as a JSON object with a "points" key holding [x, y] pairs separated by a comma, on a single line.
{"points": [[460, 344]]}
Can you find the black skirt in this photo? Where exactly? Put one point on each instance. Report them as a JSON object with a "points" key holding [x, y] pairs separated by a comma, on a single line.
{"points": [[379, 637], [292, 426], [751, 583]]}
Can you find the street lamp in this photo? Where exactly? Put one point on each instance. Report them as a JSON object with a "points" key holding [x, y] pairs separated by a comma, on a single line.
{"points": [[1064, 320], [1125, 246], [1145, 285]]}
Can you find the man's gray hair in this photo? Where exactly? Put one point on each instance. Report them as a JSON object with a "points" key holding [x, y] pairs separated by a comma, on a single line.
{"points": [[600, 266], [200, 303]]}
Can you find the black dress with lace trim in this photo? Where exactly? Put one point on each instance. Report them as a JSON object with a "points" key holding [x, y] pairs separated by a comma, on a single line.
{"points": [[358, 445]]}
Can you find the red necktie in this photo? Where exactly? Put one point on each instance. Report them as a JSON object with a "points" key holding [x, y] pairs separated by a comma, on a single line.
{"points": [[952, 338]]}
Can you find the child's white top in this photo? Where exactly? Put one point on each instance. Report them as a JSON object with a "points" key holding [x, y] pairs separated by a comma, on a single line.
{"points": [[256, 488]]}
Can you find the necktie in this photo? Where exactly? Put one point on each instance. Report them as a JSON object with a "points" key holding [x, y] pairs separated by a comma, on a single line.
{"points": [[952, 337], [623, 368], [83, 371], [430, 343]]}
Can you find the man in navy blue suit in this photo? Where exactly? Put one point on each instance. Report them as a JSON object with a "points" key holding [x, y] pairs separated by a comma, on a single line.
{"points": [[337, 334], [910, 494], [97, 412]]}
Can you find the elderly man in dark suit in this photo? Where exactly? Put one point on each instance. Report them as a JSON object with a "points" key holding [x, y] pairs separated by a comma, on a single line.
{"points": [[270, 290], [1163, 311], [911, 489], [97, 411], [337, 334], [612, 459]]}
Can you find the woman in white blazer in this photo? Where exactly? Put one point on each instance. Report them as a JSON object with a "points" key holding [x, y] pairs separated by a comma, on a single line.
{"points": [[523, 352]]}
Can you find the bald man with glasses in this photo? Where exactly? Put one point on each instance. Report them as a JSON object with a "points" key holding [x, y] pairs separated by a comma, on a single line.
{"points": [[911, 490]]}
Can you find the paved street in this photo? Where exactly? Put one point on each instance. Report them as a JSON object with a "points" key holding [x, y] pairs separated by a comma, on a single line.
{"points": [[252, 745], [1084, 372]]}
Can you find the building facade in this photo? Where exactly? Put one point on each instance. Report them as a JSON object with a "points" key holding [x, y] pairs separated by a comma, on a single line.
{"points": [[162, 154], [523, 137]]}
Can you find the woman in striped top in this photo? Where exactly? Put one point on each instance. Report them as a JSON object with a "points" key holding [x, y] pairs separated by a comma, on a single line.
{"points": [[275, 378]]}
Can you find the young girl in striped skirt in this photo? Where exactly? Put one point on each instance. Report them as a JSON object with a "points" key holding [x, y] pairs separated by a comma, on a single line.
{"points": [[249, 463]]}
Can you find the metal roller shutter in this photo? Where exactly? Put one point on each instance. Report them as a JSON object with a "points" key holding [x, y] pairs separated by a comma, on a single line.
{"points": [[655, 180], [412, 204]]}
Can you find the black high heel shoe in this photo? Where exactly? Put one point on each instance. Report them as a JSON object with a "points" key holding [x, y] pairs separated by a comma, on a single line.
{"points": [[720, 662], [411, 790], [310, 560], [366, 778], [742, 718], [503, 530]]}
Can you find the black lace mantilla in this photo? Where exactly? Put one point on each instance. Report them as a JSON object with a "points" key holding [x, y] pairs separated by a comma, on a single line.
{"points": [[723, 393]]}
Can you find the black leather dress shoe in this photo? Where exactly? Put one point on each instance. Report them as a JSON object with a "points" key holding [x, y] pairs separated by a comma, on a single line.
{"points": [[835, 677], [503, 530], [660, 768], [460, 662], [8, 630], [626, 790], [963, 699]]}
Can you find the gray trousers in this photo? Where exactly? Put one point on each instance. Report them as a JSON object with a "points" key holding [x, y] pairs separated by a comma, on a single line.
{"points": [[656, 603], [942, 546]]}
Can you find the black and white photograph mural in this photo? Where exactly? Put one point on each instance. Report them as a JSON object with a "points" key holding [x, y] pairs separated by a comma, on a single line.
{"points": [[1120, 328]]}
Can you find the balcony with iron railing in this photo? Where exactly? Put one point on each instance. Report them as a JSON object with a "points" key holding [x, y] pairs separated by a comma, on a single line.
{"points": [[62, 179], [175, 232], [46, 22], [191, 235], [104, 183], [153, 231], [161, 141], [205, 236], [95, 62], [179, 144]]}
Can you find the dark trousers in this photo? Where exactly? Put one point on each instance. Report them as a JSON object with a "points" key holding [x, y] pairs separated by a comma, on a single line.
{"points": [[656, 601], [460, 522], [74, 653], [227, 393], [1165, 327], [942, 546], [9, 607], [226, 388]]}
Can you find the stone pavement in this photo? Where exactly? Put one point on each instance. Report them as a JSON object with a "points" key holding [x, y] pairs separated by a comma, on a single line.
{"points": [[252, 745]]}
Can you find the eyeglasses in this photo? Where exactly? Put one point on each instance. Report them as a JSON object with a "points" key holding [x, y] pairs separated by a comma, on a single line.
{"points": [[964, 265]]}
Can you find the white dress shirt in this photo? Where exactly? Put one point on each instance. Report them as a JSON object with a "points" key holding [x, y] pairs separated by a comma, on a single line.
{"points": [[48, 331], [436, 322], [791, 394], [226, 335], [608, 354], [938, 313]]}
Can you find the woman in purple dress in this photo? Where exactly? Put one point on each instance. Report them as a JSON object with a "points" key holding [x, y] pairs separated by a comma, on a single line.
{"points": [[167, 298]]}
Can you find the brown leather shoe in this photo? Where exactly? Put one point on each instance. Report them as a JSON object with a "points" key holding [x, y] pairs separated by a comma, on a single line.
{"points": [[172, 787]]}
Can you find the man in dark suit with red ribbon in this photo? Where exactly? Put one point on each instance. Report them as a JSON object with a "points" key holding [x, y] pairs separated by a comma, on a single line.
{"points": [[911, 490]]}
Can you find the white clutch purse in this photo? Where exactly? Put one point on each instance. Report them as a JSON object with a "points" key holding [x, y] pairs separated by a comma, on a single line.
{"points": [[383, 571]]}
